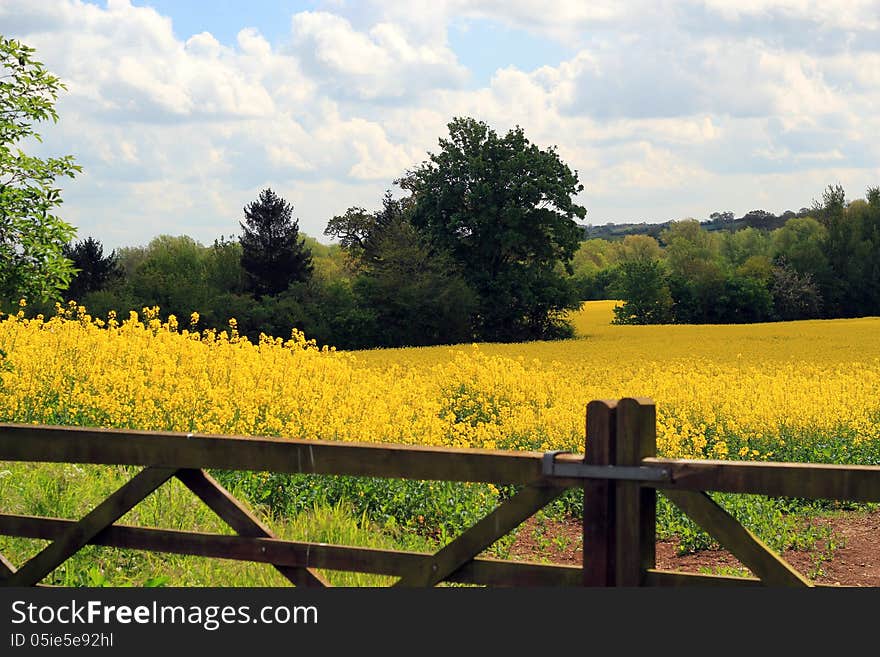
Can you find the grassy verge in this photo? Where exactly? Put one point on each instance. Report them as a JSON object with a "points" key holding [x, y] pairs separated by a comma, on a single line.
{"points": [[69, 491], [385, 514]]}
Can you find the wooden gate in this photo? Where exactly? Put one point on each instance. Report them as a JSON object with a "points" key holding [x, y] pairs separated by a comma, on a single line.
{"points": [[619, 474]]}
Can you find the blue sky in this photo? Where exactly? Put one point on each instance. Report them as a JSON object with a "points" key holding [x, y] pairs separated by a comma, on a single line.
{"points": [[483, 45], [225, 18], [180, 112]]}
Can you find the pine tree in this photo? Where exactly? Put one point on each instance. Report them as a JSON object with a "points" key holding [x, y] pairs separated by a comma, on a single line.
{"points": [[95, 271], [273, 254]]}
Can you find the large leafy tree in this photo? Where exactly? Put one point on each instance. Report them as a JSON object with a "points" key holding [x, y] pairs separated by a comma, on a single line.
{"points": [[32, 236], [801, 242], [273, 254], [504, 210], [361, 233], [413, 290], [172, 275], [852, 246]]}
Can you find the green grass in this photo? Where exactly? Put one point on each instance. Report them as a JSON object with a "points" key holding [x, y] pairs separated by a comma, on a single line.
{"points": [[69, 491]]}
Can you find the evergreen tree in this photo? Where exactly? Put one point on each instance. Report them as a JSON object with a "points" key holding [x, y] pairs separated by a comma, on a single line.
{"points": [[95, 271], [273, 254]]}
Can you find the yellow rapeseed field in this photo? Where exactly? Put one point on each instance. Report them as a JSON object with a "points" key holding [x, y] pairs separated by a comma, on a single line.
{"points": [[747, 391]]}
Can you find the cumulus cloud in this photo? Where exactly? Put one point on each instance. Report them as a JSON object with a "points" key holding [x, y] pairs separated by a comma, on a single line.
{"points": [[383, 62], [846, 14], [666, 109]]}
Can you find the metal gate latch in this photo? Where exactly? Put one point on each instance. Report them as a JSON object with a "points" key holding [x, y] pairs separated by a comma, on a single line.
{"points": [[550, 468]]}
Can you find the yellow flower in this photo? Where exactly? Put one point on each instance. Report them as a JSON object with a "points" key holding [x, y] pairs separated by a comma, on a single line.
{"points": [[721, 392]]}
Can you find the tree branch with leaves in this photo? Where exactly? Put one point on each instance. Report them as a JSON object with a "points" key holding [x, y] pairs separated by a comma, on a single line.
{"points": [[32, 235]]}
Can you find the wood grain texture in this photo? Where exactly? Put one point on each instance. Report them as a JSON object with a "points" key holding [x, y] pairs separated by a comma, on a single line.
{"points": [[599, 517], [858, 483], [636, 506], [297, 554], [192, 451]]}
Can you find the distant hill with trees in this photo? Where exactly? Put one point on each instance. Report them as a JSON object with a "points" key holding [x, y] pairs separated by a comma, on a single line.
{"points": [[726, 221], [823, 262]]}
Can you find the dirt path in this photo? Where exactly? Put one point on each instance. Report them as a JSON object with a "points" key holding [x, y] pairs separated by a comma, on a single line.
{"points": [[855, 562]]}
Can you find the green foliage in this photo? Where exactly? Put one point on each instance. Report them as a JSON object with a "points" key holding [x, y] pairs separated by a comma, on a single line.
{"points": [[355, 227], [852, 247], [223, 270], [272, 252], [795, 296], [504, 211], [431, 508], [801, 244], [95, 271], [32, 236], [639, 248], [593, 269], [413, 291], [692, 252], [756, 267], [172, 275], [771, 519], [737, 247], [182, 276], [646, 297], [824, 265], [742, 300]]}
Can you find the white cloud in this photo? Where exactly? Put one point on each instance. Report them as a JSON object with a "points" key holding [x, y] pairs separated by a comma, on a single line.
{"points": [[665, 109], [846, 14], [381, 63], [564, 20]]}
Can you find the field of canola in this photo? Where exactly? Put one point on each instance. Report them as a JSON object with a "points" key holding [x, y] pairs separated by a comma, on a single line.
{"points": [[799, 390]]}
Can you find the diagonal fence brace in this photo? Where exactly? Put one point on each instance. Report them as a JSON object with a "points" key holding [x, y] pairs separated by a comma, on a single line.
{"points": [[244, 523], [80, 534], [6, 567], [772, 569], [509, 515]]}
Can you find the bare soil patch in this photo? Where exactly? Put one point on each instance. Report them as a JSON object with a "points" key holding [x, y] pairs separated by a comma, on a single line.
{"points": [[855, 561]]}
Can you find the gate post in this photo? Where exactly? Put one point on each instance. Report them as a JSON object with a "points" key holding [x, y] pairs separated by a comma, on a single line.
{"points": [[599, 500], [635, 506]]}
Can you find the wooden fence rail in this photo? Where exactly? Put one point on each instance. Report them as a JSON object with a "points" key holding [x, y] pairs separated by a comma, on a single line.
{"points": [[619, 473]]}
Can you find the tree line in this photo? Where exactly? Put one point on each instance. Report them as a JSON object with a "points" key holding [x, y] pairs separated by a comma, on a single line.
{"points": [[717, 221], [824, 263], [383, 284], [476, 248], [481, 244]]}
